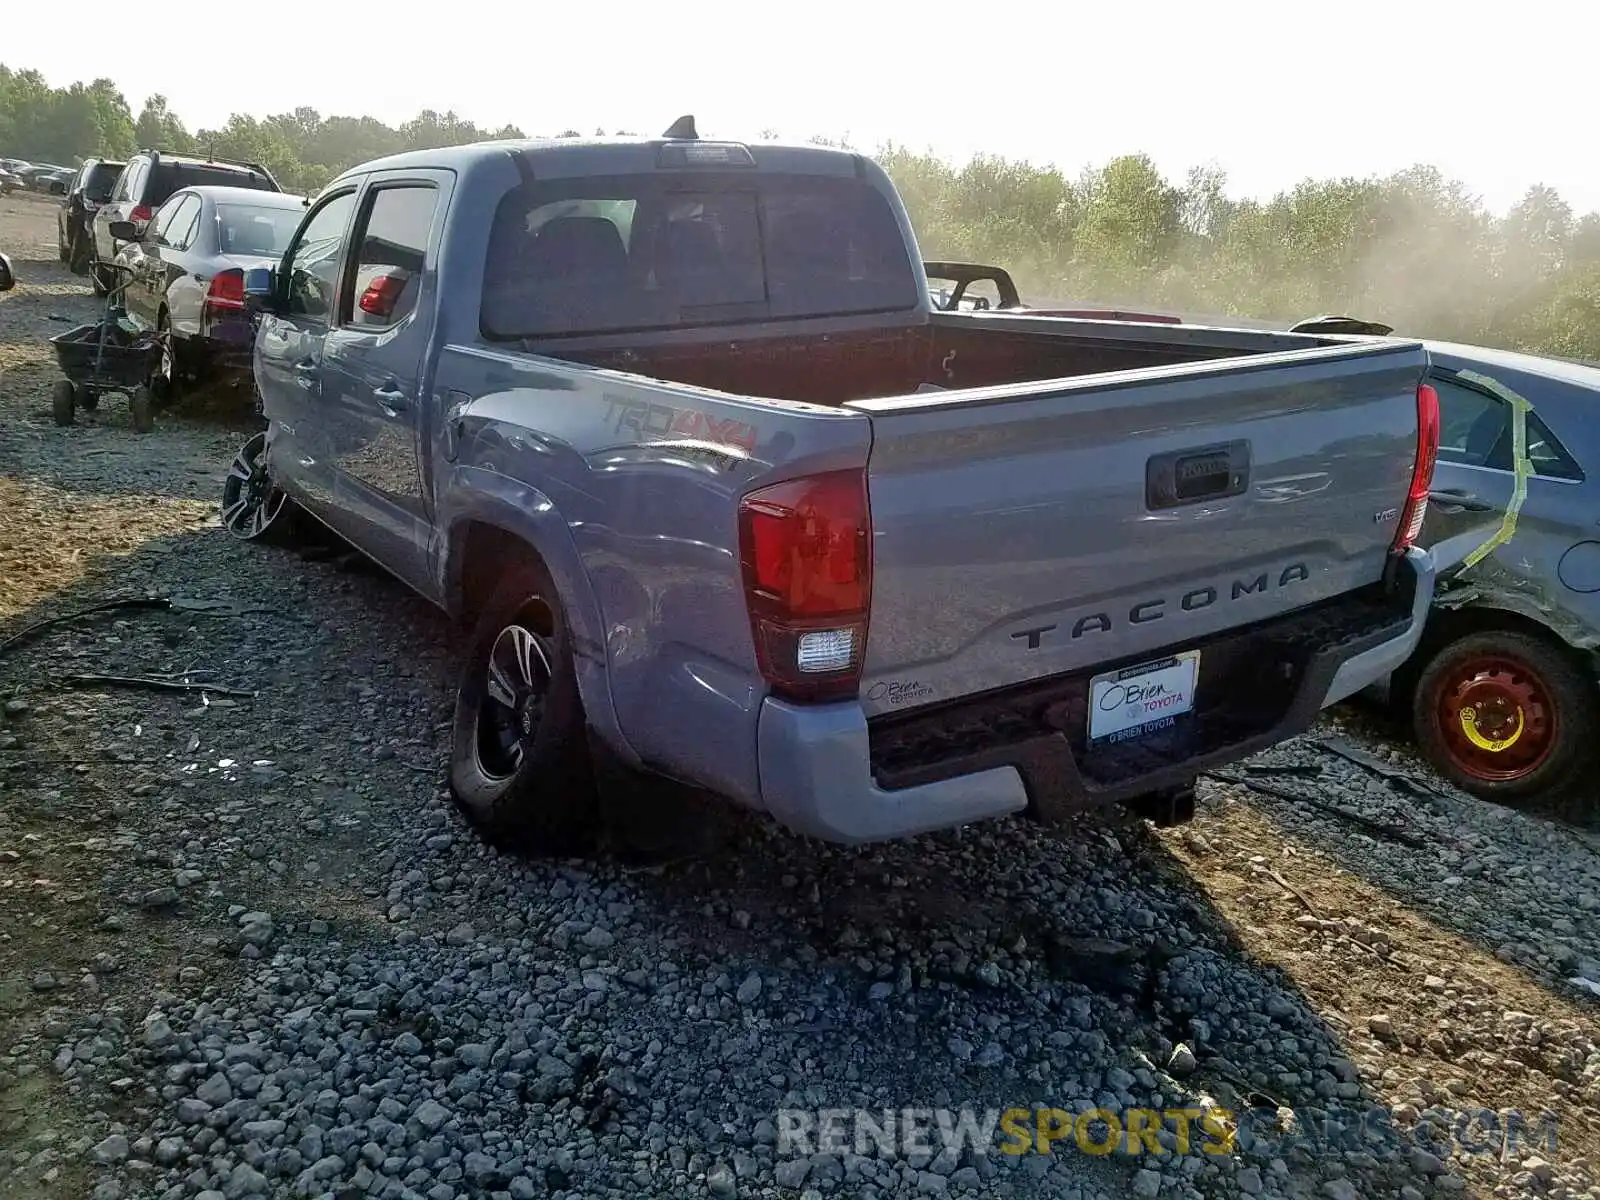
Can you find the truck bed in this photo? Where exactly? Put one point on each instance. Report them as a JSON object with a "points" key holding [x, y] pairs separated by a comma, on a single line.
{"points": [[1072, 494], [857, 361]]}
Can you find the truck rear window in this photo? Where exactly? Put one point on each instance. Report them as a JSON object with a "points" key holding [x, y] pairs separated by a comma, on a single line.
{"points": [[683, 249]]}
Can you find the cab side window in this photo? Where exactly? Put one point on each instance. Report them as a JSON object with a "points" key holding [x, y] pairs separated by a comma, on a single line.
{"points": [[312, 264]]}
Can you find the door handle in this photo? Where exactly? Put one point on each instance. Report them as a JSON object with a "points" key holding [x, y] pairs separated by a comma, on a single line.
{"points": [[391, 399], [1460, 499], [306, 366]]}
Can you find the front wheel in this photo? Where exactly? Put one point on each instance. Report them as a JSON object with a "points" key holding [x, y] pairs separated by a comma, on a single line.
{"points": [[1506, 716], [519, 759]]}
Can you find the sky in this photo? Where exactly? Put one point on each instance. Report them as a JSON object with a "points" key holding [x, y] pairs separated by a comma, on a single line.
{"points": [[1500, 96]]}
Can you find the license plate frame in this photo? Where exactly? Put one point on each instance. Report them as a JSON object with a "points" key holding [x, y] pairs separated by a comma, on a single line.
{"points": [[1132, 712]]}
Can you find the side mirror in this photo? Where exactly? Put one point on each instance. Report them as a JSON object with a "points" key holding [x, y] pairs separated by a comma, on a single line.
{"points": [[260, 291], [124, 231], [8, 277]]}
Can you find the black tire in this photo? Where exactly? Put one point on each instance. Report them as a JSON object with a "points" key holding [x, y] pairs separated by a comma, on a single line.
{"points": [[62, 250], [63, 402], [1558, 704], [78, 255], [141, 408], [170, 382], [521, 772]]}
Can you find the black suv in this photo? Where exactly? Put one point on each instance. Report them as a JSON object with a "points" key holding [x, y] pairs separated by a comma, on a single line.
{"points": [[146, 183], [90, 188]]}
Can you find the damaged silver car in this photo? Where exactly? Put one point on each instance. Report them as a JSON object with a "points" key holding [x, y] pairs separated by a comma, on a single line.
{"points": [[1502, 693]]}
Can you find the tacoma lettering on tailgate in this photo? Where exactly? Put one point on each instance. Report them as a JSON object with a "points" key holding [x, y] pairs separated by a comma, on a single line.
{"points": [[1146, 611]]}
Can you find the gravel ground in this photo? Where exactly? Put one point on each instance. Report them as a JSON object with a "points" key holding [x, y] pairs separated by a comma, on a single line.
{"points": [[248, 949]]}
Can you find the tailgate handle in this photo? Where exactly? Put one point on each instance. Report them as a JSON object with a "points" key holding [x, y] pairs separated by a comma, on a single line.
{"points": [[1197, 474]]}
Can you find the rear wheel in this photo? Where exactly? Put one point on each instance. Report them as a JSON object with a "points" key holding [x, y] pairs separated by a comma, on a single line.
{"points": [[1506, 716], [519, 759], [78, 255]]}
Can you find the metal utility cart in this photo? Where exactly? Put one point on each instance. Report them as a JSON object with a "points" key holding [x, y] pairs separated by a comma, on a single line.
{"points": [[105, 356]]}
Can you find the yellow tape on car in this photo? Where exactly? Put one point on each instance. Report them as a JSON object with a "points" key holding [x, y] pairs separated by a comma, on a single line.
{"points": [[1522, 466]]}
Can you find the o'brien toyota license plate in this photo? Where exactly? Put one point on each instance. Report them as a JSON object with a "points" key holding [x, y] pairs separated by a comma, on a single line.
{"points": [[1141, 699]]}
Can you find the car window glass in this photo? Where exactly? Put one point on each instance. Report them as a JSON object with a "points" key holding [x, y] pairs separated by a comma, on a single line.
{"points": [[165, 216], [675, 250], [99, 180], [392, 246], [123, 182], [250, 229], [313, 261], [1470, 423], [180, 234], [1548, 455], [1475, 430]]}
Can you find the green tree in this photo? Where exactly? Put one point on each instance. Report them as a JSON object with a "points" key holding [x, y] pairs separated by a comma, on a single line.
{"points": [[158, 129], [1414, 249]]}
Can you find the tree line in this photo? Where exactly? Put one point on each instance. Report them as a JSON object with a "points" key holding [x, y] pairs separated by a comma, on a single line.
{"points": [[1415, 250]]}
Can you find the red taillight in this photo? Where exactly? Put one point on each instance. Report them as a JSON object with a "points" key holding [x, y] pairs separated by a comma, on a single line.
{"points": [[226, 290], [1416, 509], [140, 214], [806, 549], [381, 295]]}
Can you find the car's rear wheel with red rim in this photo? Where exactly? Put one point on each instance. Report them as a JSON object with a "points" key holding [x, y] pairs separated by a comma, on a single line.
{"points": [[1507, 716]]}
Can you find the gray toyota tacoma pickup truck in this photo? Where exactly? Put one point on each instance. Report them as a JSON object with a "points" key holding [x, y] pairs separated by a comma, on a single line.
{"points": [[672, 425]]}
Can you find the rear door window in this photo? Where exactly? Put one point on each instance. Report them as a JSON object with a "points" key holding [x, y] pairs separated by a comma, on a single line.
{"points": [[679, 249], [391, 248]]}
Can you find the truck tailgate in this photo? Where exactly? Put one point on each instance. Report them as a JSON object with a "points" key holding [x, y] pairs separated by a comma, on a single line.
{"points": [[1042, 529]]}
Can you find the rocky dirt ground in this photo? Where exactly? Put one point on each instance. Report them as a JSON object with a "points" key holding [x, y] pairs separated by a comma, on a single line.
{"points": [[248, 949]]}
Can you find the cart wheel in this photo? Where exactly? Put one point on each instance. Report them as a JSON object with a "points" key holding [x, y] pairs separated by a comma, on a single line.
{"points": [[88, 399], [62, 402], [139, 405]]}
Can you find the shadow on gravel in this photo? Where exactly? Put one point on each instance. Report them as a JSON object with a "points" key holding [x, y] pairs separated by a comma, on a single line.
{"points": [[1520, 884], [1016, 966]]}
